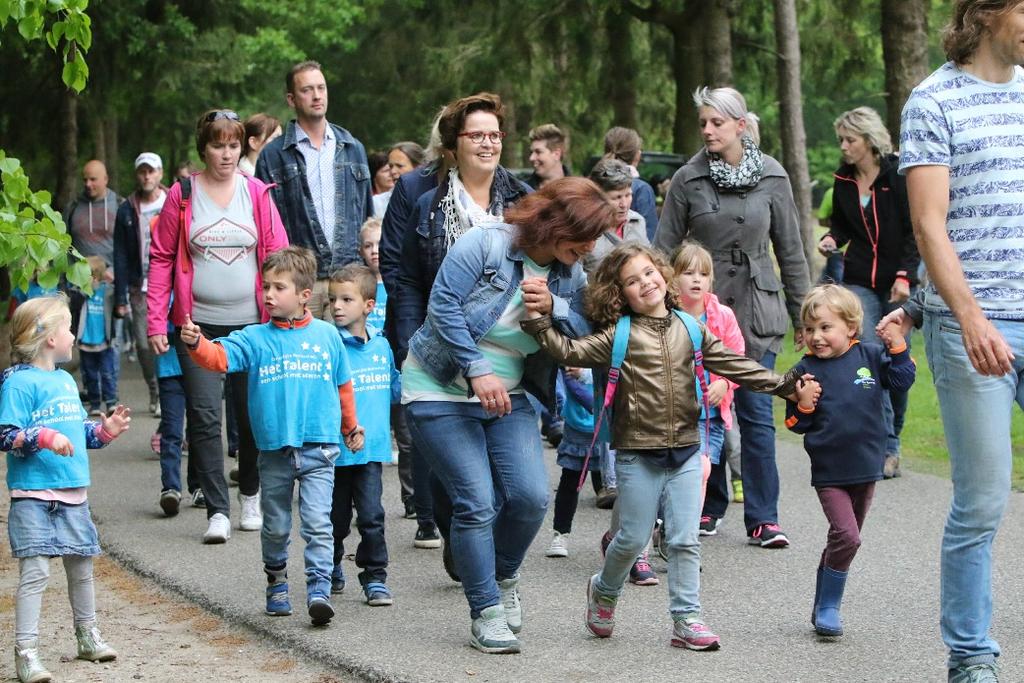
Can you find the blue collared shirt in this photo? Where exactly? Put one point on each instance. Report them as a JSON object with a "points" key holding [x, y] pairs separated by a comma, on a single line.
{"points": [[320, 176]]}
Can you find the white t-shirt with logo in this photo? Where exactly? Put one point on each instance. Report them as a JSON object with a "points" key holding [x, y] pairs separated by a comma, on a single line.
{"points": [[149, 214], [222, 244]]}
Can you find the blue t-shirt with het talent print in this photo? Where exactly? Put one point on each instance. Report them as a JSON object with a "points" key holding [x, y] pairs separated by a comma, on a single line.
{"points": [[376, 385], [378, 314], [294, 375]]}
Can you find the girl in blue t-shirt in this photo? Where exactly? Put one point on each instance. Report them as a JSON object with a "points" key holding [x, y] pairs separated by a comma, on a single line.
{"points": [[44, 430]]}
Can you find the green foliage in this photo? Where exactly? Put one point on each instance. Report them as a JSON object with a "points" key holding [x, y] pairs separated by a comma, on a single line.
{"points": [[33, 237]]}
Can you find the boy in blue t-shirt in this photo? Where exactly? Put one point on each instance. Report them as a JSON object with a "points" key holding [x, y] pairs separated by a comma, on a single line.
{"points": [[301, 402], [357, 477], [95, 347], [369, 246]]}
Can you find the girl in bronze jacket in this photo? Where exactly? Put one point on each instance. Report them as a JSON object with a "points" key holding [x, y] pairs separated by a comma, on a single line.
{"points": [[654, 428]]}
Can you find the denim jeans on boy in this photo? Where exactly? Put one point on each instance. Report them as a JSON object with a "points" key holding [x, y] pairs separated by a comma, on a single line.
{"points": [[640, 482], [976, 412], [312, 466], [360, 485], [493, 469], [757, 452], [172, 426], [99, 375], [894, 408]]}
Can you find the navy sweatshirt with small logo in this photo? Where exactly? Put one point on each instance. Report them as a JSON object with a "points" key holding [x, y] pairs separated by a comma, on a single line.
{"points": [[845, 435]]}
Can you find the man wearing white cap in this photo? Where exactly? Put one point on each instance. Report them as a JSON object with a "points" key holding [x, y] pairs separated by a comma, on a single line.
{"points": [[132, 233]]}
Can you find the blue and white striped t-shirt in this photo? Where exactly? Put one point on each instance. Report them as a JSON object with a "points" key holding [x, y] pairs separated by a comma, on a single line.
{"points": [[976, 128]]}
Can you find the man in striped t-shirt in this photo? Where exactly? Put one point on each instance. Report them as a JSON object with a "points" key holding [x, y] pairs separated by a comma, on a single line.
{"points": [[961, 149]]}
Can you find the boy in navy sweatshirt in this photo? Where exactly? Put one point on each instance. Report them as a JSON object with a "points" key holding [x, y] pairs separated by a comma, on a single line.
{"points": [[839, 415], [357, 476]]}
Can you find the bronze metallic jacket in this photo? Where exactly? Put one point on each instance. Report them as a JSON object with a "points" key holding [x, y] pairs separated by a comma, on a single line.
{"points": [[656, 400]]}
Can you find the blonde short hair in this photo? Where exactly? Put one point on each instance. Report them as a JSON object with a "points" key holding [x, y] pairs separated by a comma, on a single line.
{"points": [[97, 266], [33, 322], [689, 255], [865, 122], [835, 298], [371, 225]]}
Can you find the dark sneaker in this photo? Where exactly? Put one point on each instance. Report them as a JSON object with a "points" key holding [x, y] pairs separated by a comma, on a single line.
{"points": [[427, 536], [490, 633], [377, 594], [278, 603], [986, 672], [198, 499], [891, 468], [410, 510], [319, 608], [170, 500], [337, 580], [449, 563], [641, 573], [606, 497], [709, 525], [693, 634], [768, 535], [600, 610], [554, 435]]}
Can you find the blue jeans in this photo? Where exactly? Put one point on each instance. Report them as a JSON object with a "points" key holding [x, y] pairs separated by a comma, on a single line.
{"points": [[642, 487], [99, 376], [493, 470], [172, 425], [360, 486], [976, 413], [757, 454], [312, 466], [894, 408]]}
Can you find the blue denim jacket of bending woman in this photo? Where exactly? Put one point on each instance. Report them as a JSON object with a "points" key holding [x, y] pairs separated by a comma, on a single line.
{"points": [[477, 279]]}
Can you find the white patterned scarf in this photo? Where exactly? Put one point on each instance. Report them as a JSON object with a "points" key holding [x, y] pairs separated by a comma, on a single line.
{"points": [[460, 211]]}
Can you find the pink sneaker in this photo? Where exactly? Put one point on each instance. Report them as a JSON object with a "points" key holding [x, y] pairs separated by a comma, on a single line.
{"points": [[600, 611], [641, 573], [692, 633]]}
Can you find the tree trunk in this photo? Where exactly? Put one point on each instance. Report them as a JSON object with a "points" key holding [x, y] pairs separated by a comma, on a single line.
{"points": [[688, 69], [67, 149], [905, 52], [717, 35], [791, 117], [621, 67]]}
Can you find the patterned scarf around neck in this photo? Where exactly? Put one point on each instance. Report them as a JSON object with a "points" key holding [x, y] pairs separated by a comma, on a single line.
{"points": [[746, 175], [460, 211]]}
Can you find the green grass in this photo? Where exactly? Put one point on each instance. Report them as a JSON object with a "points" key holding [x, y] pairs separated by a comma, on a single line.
{"points": [[923, 441]]}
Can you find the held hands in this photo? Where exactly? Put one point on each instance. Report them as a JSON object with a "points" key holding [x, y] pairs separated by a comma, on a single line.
{"points": [[62, 446], [536, 297], [492, 394], [190, 332], [117, 422], [717, 391], [354, 440], [808, 391], [892, 335], [898, 317]]}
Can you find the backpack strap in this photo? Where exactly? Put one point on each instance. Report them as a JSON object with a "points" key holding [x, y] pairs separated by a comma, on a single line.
{"points": [[700, 374], [619, 344]]}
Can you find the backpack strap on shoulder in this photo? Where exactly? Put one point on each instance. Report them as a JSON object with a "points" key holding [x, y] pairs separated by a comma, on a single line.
{"points": [[700, 374], [619, 343]]}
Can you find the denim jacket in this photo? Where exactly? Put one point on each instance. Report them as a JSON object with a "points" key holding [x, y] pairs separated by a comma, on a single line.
{"points": [[477, 279], [281, 164]]}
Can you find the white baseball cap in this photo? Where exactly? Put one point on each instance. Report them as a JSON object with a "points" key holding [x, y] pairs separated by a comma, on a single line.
{"points": [[150, 159]]}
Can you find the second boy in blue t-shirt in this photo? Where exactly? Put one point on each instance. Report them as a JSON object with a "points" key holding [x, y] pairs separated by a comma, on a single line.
{"points": [[298, 376], [357, 477]]}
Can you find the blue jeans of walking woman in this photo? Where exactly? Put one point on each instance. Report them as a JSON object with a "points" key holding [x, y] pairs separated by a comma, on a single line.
{"points": [[640, 483], [976, 414], [493, 470], [759, 472]]}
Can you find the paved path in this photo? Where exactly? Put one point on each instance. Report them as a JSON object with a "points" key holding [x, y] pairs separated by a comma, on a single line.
{"points": [[757, 600]]}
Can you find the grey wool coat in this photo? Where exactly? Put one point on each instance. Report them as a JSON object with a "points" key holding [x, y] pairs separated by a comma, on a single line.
{"points": [[738, 228]]}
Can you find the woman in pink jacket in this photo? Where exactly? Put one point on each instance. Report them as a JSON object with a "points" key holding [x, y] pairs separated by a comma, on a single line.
{"points": [[214, 231]]}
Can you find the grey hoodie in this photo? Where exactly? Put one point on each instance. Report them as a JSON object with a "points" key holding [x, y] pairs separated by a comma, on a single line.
{"points": [[91, 224]]}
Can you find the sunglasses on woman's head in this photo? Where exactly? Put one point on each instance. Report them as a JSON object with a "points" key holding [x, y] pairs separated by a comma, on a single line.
{"points": [[222, 114]]}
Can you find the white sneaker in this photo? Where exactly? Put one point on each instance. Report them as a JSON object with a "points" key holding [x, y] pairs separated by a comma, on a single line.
{"points": [[252, 518], [219, 530], [559, 546]]}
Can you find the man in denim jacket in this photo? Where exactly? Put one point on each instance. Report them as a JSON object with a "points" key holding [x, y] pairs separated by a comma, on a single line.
{"points": [[322, 180]]}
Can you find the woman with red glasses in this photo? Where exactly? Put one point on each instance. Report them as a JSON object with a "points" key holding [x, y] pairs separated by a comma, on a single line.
{"points": [[214, 231]]}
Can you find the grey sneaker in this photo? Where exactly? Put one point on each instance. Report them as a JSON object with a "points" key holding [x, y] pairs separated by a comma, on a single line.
{"points": [[490, 633], [600, 610], [559, 546], [91, 646], [986, 672], [27, 664], [691, 632], [513, 605], [170, 500]]}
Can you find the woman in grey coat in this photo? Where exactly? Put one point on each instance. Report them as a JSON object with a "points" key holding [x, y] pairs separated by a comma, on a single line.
{"points": [[737, 202]]}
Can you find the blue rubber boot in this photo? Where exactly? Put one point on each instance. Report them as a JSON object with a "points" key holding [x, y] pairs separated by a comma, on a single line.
{"points": [[817, 596], [827, 620]]}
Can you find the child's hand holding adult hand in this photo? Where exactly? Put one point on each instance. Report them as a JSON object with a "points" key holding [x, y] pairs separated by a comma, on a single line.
{"points": [[118, 421], [190, 332], [536, 297], [892, 335]]}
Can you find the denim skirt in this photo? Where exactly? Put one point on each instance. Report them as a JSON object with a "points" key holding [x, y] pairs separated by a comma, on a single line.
{"points": [[51, 529]]}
